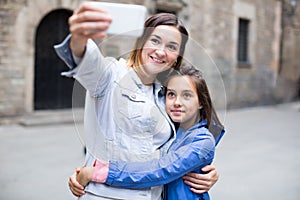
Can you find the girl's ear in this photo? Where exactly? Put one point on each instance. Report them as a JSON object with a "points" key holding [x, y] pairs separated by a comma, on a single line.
{"points": [[200, 107]]}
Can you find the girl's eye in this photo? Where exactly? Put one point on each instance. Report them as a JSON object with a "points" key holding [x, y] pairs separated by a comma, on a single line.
{"points": [[187, 95], [170, 94]]}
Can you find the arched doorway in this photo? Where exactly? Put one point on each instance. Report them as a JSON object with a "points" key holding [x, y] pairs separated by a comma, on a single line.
{"points": [[52, 91]]}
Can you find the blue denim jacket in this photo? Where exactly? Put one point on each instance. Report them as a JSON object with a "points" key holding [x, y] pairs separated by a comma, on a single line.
{"points": [[192, 150], [120, 121]]}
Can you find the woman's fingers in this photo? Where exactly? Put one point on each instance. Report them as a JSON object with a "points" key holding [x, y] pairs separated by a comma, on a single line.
{"points": [[200, 183], [89, 16], [88, 21]]}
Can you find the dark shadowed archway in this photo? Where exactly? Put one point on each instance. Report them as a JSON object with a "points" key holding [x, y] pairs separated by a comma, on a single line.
{"points": [[52, 91]]}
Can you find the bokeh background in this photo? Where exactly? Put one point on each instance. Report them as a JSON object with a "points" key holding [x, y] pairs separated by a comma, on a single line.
{"points": [[248, 51]]}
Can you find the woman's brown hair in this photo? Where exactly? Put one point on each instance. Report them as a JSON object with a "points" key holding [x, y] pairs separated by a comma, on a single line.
{"points": [[151, 23]]}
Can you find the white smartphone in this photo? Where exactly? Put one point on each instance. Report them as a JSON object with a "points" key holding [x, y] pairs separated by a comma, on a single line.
{"points": [[127, 19]]}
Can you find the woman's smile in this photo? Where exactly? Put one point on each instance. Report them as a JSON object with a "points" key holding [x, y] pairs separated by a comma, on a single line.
{"points": [[157, 60]]}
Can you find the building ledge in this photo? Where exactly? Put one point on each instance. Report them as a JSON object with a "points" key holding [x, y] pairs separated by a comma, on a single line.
{"points": [[50, 117]]}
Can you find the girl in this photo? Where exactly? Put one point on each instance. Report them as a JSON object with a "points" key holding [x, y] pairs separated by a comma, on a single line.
{"points": [[189, 105]]}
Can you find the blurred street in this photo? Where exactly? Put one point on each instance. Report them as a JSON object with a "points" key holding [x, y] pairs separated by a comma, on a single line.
{"points": [[258, 158]]}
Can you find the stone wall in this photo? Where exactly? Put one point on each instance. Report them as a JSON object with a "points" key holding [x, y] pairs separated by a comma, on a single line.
{"points": [[12, 76], [213, 27], [19, 20]]}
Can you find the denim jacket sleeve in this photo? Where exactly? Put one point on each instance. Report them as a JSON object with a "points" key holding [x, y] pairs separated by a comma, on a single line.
{"points": [[93, 71], [64, 52], [195, 153]]}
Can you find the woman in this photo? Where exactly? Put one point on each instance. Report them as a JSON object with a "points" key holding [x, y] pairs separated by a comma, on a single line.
{"points": [[124, 111]]}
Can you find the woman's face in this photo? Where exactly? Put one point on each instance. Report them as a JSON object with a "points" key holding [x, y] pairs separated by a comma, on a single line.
{"points": [[161, 50], [182, 103]]}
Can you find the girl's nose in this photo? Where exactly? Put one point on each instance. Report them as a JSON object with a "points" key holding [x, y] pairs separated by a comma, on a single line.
{"points": [[177, 102]]}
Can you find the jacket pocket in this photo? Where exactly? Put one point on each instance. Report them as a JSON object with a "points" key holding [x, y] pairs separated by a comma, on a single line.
{"points": [[131, 104]]}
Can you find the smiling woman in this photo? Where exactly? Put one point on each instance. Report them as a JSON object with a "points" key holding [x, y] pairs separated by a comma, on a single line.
{"points": [[124, 111], [159, 53]]}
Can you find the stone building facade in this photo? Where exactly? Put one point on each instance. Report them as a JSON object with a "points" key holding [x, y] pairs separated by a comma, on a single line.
{"points": [[247, 49]]}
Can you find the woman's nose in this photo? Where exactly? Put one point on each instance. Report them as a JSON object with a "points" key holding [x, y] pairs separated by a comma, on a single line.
{"points": [[160, 51]]}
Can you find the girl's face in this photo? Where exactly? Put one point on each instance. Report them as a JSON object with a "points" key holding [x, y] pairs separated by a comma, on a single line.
{"points": [[161, 50], [182, 103]]}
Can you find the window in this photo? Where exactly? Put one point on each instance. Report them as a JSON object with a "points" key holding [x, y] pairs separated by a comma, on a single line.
{"points": [[243, 35]]}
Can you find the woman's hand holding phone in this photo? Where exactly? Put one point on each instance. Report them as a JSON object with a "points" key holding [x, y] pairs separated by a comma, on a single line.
{"points": [[88, 21], [97, 19]]}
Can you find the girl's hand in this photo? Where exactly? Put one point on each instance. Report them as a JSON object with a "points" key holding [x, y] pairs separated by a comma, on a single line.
{"points": [[74, 186], [84, 175], [201, 183]]}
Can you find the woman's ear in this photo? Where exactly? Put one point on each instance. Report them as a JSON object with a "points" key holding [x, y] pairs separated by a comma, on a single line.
{"points": [[200, 107]]}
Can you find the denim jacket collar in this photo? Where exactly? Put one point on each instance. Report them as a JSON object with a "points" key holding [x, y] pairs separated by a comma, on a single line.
{"points": [[158, 88]]}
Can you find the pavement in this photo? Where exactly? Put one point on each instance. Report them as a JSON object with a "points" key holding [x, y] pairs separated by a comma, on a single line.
{"points": [[258, 158]]}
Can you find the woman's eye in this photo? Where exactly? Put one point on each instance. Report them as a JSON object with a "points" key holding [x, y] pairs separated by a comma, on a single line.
{"points": [[172, 47], [154, 41]]}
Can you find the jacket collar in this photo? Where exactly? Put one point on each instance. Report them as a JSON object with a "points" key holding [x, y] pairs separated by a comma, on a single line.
{"points": [[200, 124], [158, 88]]}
